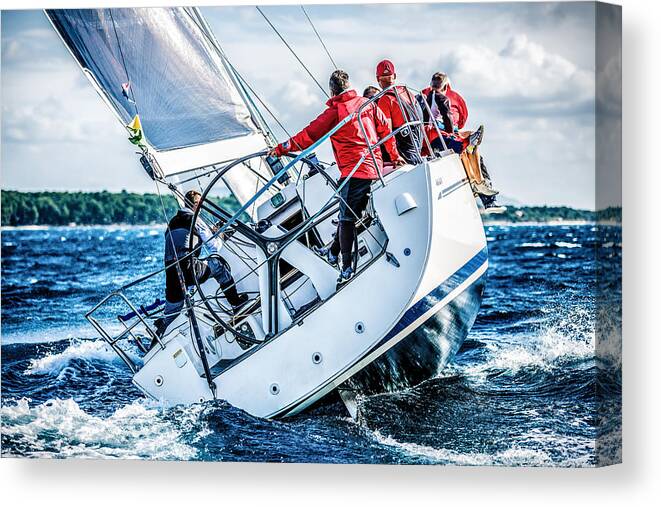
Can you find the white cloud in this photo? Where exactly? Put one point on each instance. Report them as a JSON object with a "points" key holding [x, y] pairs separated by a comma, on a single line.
{"points": [[299, 95], [527, 76], [521, 70]]}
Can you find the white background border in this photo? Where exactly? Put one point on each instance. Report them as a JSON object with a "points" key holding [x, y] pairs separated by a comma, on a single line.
{"points": [[636, 482]]}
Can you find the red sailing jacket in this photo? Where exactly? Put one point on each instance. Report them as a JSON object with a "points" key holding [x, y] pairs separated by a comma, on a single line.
{"points": [[389, 104], [458, 108], [349, 143]]}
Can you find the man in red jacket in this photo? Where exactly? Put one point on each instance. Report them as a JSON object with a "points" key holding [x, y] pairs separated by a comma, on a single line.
{"points": [[358, 167], [452, 115], [409, 142]]}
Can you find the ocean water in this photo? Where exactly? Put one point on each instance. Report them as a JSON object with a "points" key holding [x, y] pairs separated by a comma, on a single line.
{"points": [[537, 382]]}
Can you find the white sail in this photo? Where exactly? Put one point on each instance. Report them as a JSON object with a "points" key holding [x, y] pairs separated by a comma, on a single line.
{"points": [[161, 64]]}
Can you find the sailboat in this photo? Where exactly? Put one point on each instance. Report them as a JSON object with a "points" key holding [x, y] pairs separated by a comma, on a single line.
{"points": [[420, 257]]}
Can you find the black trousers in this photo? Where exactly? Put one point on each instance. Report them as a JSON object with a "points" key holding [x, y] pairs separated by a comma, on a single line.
{"points": [[355, 196], [191, 269]]}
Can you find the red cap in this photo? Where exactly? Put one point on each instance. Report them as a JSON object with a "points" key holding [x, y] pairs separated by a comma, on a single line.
{"points": [[385, 68]]}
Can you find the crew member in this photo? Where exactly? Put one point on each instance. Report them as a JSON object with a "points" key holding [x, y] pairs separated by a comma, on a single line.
{"points": [[370, 91], [177, 243], [450, 115], [349, 146], [400, 107]]}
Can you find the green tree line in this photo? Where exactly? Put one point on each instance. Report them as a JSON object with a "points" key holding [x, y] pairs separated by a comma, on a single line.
{"points": [[89, 208], [555, 213], [100, 208]]}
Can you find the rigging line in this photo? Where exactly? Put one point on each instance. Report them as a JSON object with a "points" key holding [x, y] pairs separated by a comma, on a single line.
{"points": [[241, 78], [319, 37], [268, 110], [292, 51], [121, 54]]}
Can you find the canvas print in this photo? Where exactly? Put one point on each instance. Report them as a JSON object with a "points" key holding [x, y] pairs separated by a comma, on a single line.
{"points": [[371, 233]]}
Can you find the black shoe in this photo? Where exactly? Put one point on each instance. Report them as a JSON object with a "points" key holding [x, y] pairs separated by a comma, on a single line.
{"points": [[241, 300], [345, 275], [493, 208], [325, 252]]}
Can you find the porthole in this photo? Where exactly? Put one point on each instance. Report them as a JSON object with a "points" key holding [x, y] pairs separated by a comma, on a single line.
{"points": [[407, 252], [359, 327], [274, 389], [158, 381], [317, 358]]}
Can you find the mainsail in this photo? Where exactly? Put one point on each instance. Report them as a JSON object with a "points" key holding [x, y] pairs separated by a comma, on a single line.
{"points": [[161, 64]]}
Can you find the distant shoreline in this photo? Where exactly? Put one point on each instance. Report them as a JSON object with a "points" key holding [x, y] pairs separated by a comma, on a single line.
{"points": [[62, 209], [497, 223]]}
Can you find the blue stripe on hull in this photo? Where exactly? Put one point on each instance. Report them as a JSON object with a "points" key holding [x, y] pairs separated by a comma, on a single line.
{"points": [[431, 299], [399, 368], [425, 350]]}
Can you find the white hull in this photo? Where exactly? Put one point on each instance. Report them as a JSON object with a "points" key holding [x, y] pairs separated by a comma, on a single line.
{"points": [[440, 247]]}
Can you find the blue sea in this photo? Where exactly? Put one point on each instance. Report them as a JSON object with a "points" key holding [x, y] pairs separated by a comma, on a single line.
{"points": [[537, 382]]}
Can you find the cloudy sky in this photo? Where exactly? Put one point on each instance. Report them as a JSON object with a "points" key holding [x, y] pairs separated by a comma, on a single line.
{"points": [[526, 71]]}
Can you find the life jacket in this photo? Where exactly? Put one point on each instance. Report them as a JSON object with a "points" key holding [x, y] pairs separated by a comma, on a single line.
{"points": [[400, 111]]}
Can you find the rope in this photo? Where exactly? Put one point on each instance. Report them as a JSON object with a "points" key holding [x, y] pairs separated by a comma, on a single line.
{"points": [[319, 37], [292, 52]]}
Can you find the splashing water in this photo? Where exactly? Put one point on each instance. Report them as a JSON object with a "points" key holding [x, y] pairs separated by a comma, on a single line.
{"points": [[535, 384]]}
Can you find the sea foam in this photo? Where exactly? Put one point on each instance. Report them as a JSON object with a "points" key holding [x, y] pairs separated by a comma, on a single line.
{"points": [[62, 428], [79, 349]]}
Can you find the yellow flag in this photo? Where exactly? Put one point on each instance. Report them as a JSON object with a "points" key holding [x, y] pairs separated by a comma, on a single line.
{"points": [[135, 123], [135, 127]]}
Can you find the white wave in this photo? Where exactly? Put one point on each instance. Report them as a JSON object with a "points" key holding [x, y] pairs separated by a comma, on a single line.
{"points": [[580, 453], [533, 245], [568, 337], [61, 429], [79, 349], [514, 456], [564, 244], [49, 335]]}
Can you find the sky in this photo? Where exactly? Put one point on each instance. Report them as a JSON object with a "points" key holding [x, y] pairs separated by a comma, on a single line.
{"points": [[526, 70]]}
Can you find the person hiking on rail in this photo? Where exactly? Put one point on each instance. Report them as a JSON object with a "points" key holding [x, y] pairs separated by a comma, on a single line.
{"points": [[400, 107], [370, 91], [349, 146], [450, 113], [177, 242]]}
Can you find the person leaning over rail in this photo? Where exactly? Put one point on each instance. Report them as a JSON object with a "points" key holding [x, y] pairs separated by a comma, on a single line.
{"points": [[370, 91], [177, 241], [400, 107], [450, 113], [349, 146]]}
